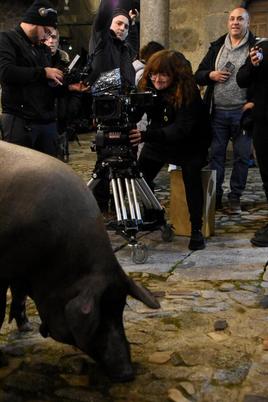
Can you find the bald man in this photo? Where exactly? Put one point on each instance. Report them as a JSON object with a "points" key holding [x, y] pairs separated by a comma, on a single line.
{"points": [[227, 103]]}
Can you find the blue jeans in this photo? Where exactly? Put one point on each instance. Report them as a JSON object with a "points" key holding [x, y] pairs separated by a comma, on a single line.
{"points": [[226, 127]]}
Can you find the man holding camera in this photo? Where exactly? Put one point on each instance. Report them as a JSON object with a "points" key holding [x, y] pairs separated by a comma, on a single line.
{"points": [[28, 80], [109, 49], [254, 75], [227, 103]]}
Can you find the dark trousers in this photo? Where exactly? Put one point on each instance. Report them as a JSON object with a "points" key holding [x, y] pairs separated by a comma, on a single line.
{"points": [[41, 137], [191, 173], [260, 141], [226, 127]]}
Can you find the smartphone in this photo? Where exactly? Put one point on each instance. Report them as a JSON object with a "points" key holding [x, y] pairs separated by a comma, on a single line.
{"points": [[229, 67]]}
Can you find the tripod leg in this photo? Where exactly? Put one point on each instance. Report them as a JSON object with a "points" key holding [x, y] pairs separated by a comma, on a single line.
{"points": [[149, 194], [136, 203], [144, 197], [116, 200], [130, 201], [122, 202], [92, 183]]}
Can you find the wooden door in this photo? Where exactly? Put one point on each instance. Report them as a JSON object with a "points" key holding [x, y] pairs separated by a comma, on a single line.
{"points": [[258, 11]]}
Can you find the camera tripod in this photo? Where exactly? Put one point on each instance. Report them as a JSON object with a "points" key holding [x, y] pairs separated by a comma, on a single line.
{"points": [[128, 189]]}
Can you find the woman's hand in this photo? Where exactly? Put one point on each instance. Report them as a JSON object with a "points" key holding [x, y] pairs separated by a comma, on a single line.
{"points": [[79, 87], [135, 137]]}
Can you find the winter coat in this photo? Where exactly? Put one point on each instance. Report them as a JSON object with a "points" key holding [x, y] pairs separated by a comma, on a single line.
{"points": [[107, 52], [256, 78], [25, 89]]}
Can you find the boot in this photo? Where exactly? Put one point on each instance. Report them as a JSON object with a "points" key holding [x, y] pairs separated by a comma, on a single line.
{"points": [[197, 241], [260, 238]]}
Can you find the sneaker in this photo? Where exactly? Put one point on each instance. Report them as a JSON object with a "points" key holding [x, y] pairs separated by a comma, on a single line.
{"points": [[234, 206], [260, 238], [197, 241]]}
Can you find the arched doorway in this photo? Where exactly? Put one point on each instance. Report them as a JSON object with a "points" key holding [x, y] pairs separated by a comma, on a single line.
{"points": [[258, 10]]}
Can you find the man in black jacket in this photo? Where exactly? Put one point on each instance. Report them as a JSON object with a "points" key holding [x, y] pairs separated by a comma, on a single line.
{"points": [[227, 102], [254, 75], [113, 44], [28, 81]]}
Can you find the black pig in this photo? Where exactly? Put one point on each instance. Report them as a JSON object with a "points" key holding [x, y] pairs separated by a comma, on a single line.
{"points": [[53, 241]]}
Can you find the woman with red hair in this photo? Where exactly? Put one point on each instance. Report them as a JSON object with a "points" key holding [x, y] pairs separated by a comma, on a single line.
{"points": [[178, 130]]}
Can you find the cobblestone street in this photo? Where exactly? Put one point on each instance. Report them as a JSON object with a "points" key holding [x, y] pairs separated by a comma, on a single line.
{"points": [[207, 343]]}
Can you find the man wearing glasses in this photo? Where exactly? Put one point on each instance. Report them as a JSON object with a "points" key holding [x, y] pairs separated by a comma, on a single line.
{"points": [[28, 81]]}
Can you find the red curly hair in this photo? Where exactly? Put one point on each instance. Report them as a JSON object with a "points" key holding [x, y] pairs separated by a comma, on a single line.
{"points": [[183, 87]]}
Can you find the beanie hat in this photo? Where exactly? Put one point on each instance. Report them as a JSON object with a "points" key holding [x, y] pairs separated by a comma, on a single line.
{"points": [[121, 11], [41, 12]]}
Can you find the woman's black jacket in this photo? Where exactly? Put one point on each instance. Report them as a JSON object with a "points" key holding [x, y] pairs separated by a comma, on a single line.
{"points": [[177, 136]]}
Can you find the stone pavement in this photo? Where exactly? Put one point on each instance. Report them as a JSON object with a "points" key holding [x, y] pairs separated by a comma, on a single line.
{"points": [[207, 343]]}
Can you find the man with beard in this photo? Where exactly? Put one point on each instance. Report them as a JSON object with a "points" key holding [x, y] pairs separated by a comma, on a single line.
{"points": [[28, 81]]}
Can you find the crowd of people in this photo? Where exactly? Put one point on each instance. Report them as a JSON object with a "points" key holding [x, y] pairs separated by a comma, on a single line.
{"points": [[181, 128]]}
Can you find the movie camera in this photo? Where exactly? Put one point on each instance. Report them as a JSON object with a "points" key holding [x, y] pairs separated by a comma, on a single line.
{"points": [[115, 115]]}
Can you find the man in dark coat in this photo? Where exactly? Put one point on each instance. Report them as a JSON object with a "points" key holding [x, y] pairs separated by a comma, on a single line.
{"points": [[28, 80], [113, 44], [227, 103], [254, 75]]}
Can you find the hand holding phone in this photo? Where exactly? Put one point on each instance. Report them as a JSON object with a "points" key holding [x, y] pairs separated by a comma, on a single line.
{"points": [[229, 67]]}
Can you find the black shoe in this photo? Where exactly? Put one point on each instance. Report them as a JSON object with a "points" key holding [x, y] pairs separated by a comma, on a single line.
{"points": [[197, 241], [234, 206], [260, 238]]}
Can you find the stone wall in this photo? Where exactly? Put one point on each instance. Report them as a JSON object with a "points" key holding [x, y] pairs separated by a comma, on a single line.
{"points": [[194, 24]]}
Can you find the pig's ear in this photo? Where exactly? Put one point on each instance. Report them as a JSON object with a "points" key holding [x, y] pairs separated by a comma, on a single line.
{"points": [[142, 294], [82, 316]]}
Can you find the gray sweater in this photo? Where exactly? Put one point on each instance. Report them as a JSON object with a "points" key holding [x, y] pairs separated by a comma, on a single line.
{"points": [[228, 95]]}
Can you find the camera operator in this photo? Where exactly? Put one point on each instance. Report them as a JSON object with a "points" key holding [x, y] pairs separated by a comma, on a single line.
{"points": [[253, 75], [109, 49], [178, 130], [28, 81]]}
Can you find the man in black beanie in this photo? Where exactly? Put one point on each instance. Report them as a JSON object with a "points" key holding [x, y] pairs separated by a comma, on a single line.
{"points": [[108, 50], [28, 81]]}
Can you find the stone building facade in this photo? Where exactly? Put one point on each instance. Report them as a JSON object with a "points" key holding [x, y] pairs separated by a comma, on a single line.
{"points": [[187, 26]]}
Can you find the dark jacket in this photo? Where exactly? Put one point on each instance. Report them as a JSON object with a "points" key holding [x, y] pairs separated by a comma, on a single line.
{"points": [[25, 89], [256, 78], [208, 64], [107, 52], [177, 136]]}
